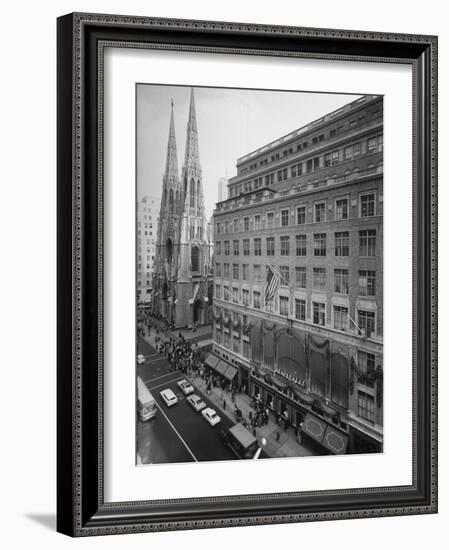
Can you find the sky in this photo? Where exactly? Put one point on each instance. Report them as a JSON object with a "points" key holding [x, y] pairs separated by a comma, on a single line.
{"points": [[231, 123]]}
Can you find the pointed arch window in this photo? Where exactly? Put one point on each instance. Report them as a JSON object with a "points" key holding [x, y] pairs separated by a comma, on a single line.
{"points": [[177, 202], [198, 191], [195, 258], [171, 201]]}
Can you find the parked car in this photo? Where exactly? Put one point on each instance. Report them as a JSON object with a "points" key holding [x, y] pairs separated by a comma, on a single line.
{"points": [[185, 386], [211, 416], [140, 359], [196, 402], [169, 397]]}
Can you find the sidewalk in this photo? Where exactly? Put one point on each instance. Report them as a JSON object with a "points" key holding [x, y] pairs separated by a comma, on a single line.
{"points": [[287, 445]]}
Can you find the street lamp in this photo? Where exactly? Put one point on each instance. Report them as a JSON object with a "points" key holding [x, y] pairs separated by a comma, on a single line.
{"points": [[263, 442]]}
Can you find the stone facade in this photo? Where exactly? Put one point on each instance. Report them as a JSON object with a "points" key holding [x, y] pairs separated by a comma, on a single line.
{"points": [[309, 207], [182, 272]]}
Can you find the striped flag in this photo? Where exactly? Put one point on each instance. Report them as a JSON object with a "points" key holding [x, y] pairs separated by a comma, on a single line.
{"points": [[271, 284]]}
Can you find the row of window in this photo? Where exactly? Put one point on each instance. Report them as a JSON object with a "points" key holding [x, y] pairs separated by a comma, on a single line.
{"points": [[367, 208], [365, 324], [372, 145], [366, 281], [366, 248]]}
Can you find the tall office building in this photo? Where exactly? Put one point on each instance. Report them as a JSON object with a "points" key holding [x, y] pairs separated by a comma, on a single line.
{"points": [[147, 222]]}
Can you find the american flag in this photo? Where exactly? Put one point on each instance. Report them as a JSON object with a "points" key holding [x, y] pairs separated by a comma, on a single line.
{"points": [[271, 284]]}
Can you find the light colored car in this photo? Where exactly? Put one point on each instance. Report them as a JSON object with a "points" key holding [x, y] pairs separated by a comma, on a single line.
{"points": [[140, 359], [211, 416], [196, 402], [185, 386], [169, 397]]}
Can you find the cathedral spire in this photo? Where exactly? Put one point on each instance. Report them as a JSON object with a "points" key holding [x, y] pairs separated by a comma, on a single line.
{"points": [[171, 166], [192, 152]]}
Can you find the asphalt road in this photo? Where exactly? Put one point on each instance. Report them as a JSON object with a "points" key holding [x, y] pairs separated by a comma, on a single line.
{"points": [[176, 433]]}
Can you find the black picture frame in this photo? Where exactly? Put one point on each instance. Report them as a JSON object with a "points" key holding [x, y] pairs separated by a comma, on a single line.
{"points": [[81, 510]]}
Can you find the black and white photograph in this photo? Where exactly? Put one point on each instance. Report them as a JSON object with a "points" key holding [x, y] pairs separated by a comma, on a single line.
{"points": [[259, 265]]}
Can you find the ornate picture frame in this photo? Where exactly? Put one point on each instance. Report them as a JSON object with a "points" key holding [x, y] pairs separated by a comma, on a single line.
{"points": [[81, 507]]}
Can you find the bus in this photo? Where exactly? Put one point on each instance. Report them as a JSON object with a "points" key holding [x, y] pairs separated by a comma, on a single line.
{"points": [[240, 441], [146, 404]]}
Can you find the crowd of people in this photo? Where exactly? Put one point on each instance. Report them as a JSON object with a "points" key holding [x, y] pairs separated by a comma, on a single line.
{"points": [[187, 357]]}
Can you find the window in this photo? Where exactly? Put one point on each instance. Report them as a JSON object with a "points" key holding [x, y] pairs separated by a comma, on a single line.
{"points": [[367, 283], [218, 228], [367, 242], [365, 405], [270, 246], [342, 243], [284, 272], [257, 247], [366, 363], [348, 153], [257, 274], [341, 277], [285, 246], [380, 143], [256, 222], [319, 313], [366, 322], [301, 245], [245, 297], [245, 272], [270, 219], [284, 218], [357, 149], [319, 244], [226, 293], [246, 224], [320, 212], [235, 245], [341, 209], [341, 319], [283, 305], [367, 205], [236, 225], [195, 258], [301, 215], [227, 226], [235, 295], [371, 145], [227, 248], [300, 309], [256, 299], [218, 291], [235, 272], [319, 278], [300, 277], [218, 248], [226, 271], [246, 247]]}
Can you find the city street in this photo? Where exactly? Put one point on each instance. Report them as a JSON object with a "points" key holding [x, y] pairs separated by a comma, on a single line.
{"points": [[176, 433]]}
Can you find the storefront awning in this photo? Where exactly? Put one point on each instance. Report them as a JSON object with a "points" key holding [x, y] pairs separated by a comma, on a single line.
{"points": [[326, 434], [212, 360], [220, 366]]}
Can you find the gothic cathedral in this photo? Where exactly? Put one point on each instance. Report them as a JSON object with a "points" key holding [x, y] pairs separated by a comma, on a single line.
{"points": [[182, 286]]}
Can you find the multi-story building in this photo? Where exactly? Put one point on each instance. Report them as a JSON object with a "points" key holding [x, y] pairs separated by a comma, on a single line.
{"points": [[182, 272], [147, 222], [298, 269]]}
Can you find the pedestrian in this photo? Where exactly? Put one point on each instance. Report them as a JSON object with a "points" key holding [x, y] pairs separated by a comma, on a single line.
{"points": [[278, 435], [254, 432], [224, 404]]}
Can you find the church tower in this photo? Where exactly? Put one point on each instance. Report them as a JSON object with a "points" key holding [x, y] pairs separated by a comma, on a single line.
{"points": [[168, 233], [184, 285]]}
